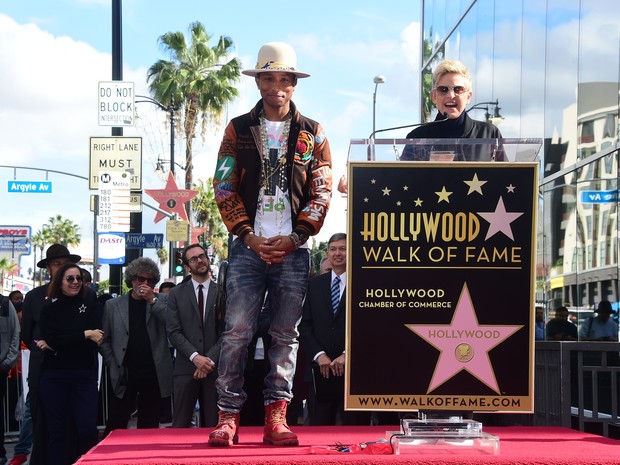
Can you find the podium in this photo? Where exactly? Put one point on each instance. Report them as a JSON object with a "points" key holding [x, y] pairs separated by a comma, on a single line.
{"points": [[440, 284]]}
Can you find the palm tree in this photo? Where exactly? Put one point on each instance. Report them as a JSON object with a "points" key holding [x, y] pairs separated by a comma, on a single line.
{"points": [[6, 266], [198, 79], [63, 231], [39, 240], [207, 215]]}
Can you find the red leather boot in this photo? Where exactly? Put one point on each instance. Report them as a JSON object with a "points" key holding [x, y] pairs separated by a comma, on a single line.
{"points": [[276, 430], [226, 431]]}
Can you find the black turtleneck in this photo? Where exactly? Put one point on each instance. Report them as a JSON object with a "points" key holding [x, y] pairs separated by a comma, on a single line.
{"points": [[63, 323], [453, 128]]}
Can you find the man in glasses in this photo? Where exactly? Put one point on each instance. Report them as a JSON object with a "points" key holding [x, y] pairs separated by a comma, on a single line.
{"points": [[135, 349], [451, 92], [192, 326]]}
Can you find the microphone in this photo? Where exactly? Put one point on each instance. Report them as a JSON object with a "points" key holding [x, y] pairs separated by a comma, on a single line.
{"points": [[445, 118]]}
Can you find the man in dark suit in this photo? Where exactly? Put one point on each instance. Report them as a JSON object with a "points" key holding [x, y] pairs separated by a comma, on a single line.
{"points": [[322, 330], [56, 256], [193, 332]]}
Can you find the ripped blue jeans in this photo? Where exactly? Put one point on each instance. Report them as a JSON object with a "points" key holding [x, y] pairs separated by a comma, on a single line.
{"points": [[248, 279]]}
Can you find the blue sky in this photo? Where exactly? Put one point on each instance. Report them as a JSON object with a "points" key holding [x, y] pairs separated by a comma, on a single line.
{"points": [[53, 55]]}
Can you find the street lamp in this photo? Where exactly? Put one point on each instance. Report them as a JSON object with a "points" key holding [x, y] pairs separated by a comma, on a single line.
{"points": [[494, 118], [170, 108], [379, 79]]}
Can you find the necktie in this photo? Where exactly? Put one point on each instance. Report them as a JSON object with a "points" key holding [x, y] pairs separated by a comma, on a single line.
{"points": [[335, 293], [201, 302]]}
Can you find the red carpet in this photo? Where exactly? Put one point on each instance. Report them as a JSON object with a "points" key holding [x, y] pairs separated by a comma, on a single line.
{"points": [[518, 446]]}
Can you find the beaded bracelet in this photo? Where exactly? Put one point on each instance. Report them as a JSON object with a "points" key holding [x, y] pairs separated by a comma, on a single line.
{"points": [[295, 238]]}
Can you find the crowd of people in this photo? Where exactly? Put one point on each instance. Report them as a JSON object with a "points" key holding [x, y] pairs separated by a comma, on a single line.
{"points": [[280, 337], [562, 327]]}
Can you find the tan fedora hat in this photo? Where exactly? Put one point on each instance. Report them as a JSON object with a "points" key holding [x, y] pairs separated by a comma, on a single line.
{"points": [[276, 57]]}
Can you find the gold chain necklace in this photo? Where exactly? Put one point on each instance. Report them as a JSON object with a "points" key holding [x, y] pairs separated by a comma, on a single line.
{"points": [[268, 171]]}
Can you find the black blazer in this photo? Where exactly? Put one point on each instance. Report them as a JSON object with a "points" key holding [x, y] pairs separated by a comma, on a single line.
{"points": [[472, 129], [320, 329]]}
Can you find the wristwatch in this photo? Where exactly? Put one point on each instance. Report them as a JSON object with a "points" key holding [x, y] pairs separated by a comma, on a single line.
{"points": [[155, 299]]}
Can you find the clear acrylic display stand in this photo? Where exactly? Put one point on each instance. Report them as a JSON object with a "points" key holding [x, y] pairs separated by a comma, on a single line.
{"points": [[451, 434], [444, 150]]}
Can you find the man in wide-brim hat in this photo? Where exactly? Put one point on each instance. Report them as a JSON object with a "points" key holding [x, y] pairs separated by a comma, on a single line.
{"points": [[58, 252], [273, 186]]}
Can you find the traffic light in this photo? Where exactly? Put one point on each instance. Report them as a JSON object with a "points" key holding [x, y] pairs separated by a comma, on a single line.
{"points": [[178, 269]]}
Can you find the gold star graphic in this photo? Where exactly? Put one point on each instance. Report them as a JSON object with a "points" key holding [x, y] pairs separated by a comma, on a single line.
{"points": [[475, 185], [386, 191], [418, 202], [443, 195]]}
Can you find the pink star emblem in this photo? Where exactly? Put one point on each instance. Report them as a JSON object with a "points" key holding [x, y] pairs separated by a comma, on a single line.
{"points": [[197, 231], [499, 220], [464, 344], [171, 198]]}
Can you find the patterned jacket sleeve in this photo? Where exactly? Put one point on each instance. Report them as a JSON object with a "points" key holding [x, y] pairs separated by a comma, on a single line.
{"points": [[311, 218], [226, 184]]}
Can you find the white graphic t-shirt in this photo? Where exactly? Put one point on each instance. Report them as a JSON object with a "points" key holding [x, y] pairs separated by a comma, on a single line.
{"points": [[273, 215]]}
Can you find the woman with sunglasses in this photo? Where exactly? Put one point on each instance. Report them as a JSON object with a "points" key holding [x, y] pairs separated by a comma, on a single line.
{"points": [[135, 349], [68, 388], [451, 92]]}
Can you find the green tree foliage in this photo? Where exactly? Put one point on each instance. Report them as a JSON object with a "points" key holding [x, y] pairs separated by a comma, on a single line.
{"points": [[40, 240], [6, 267], [207, 215], [62, 231], [197, 78], [317, 252]]}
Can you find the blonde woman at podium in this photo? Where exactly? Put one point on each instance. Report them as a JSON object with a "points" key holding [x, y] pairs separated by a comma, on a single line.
{"points": [[451, 92]]}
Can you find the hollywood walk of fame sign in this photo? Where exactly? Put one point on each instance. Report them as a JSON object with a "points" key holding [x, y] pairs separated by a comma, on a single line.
{"points": [[171, 199], [440, 277]]}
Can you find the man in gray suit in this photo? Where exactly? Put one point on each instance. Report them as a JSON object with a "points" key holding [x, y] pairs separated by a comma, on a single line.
{"points": [[193, 332], [135, 349]]}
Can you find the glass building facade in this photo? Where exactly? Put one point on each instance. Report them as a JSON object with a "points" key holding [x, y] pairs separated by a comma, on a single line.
{"points": [[553, 69]]}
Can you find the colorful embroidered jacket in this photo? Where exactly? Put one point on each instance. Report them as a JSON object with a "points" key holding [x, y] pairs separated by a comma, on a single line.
{"points": [[236, 182]]}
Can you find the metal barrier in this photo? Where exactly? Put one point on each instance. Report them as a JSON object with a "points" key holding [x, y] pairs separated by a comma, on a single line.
{"points": [[577, 385]]}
